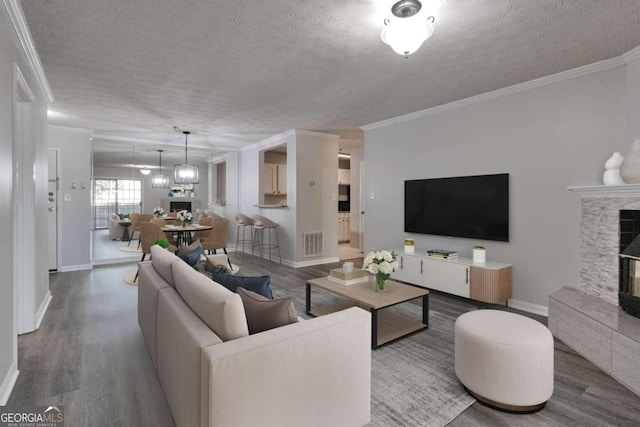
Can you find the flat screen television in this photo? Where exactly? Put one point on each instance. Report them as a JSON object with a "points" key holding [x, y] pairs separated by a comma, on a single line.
{"points": [[475, 207]]}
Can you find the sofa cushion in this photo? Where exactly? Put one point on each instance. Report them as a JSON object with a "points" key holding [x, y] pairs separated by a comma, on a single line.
{"points": [[264, 314], [162, 261], [217, 306], [257, 284]]}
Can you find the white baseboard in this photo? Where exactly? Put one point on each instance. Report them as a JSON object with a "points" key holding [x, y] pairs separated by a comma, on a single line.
{"points": [[6, 387], [114, 261], [528, 307], [79, 267], [313, 262], [286, 262], [43, 308]]}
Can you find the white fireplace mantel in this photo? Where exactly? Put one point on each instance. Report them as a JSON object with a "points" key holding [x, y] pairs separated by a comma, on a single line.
{"points": [[628, 190]]}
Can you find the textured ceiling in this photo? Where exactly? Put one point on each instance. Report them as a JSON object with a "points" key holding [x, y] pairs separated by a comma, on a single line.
{"points": [[237, 72]]}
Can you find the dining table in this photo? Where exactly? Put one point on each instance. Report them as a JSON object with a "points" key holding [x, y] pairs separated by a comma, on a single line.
{"points": [[184, 233]]}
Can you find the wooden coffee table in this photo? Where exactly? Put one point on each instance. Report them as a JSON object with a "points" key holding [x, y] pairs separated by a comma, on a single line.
{"points": [[387, 326]]}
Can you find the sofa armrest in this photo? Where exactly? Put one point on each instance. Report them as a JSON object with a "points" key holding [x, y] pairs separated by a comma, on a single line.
{"points": [[315, 372]]}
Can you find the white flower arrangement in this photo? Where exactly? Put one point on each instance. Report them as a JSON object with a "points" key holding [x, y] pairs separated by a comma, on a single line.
{"points": [[185, 217], [158, 212], [382, 264]]}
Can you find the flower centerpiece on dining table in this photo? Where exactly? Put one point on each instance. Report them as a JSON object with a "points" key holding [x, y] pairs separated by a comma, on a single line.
{"points": [[185, 218], [158, 212], [382, 264]]}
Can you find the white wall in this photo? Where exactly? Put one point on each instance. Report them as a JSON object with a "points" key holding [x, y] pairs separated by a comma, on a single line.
{"points": [[34, 183], [74, 215], [633, 98], [232, 187], [250, 169], [357, 155], [316, 205], [311, 156], [547, 138]]}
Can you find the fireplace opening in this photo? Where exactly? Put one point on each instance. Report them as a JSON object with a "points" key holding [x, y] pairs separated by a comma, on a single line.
{"points": [[179, 206], [629, 291]]}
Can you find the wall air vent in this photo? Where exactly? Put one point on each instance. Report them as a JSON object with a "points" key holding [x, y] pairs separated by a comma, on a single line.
{"points": [[313, 243]]}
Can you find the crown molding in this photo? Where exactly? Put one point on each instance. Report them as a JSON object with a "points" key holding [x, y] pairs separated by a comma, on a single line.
{"points": [[278, 139], [222, 158], [72, 130], [270, 142], [314, 133], [631, 56], [24, 85], [131, 140], [510, 90], [16, 15]]}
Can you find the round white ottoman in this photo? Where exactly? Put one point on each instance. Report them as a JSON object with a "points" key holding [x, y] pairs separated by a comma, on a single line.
{"points": [[504, 360]]}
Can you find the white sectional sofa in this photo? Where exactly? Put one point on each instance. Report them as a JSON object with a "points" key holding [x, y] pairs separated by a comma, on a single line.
{"points": [[314, 372]]}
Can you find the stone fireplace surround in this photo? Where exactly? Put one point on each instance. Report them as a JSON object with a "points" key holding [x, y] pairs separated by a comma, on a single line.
{"points": [[588, 319]]}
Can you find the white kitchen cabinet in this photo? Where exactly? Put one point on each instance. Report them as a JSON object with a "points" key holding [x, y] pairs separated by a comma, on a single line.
{"points": [[275, 178], [344, 227], [344, 177]]}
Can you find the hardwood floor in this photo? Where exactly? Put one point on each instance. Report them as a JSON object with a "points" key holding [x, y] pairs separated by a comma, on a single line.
{"points": [[89, 356]]}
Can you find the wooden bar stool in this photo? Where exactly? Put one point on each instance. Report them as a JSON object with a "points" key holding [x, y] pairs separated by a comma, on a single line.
{"points": [[261, 223], [243, 221]]}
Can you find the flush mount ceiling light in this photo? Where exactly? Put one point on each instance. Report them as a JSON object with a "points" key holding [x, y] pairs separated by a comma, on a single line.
{"points": [[407, 30], [160, 180], [145, 171], [185, 173]]}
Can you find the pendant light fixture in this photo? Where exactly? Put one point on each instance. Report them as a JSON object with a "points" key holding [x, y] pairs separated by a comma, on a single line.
{"points": [[185, 173], [160, 180], [407, 30]]}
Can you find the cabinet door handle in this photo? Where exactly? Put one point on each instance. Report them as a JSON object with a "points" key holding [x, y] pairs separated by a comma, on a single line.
{"points": [[401, 263], [467, 276], [421, 265]]}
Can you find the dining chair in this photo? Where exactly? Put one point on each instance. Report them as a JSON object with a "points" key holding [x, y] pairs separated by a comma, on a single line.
{"points": [[203, 234], [167, 234], [149, 233], [217, 239], [135, 219]]}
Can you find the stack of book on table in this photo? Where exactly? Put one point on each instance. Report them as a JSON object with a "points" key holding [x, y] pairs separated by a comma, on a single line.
{"points": [[442, 254], [338, 275]]}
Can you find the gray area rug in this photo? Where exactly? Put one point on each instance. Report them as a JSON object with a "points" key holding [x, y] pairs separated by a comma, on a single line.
{"points": [[413, 381]]}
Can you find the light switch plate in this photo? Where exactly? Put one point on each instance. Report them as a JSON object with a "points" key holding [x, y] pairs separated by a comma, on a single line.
{"points": [[333, 196], [372, 195]]}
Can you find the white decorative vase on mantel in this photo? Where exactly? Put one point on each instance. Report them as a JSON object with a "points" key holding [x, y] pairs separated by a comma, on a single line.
{"points": [[612, 172], [630, 168]]}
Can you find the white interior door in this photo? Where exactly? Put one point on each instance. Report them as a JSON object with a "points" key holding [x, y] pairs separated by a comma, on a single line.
{"points": [[52, 207]]}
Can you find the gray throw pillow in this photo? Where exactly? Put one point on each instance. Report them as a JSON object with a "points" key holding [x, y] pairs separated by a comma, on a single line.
{"points": [[257, 284], [187, 249], [264, 314]]}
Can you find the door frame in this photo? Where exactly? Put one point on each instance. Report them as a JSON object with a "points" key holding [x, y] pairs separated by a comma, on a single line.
{"points": [[23, 283], [58, 226]]}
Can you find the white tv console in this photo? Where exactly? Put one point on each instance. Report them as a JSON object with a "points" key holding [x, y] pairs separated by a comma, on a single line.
{"points": [[489, 282]]}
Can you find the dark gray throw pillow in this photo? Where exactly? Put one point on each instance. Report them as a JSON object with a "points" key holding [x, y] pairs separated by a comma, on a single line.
{"points": [[257, 284], [264, 314], [193, 257]]}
